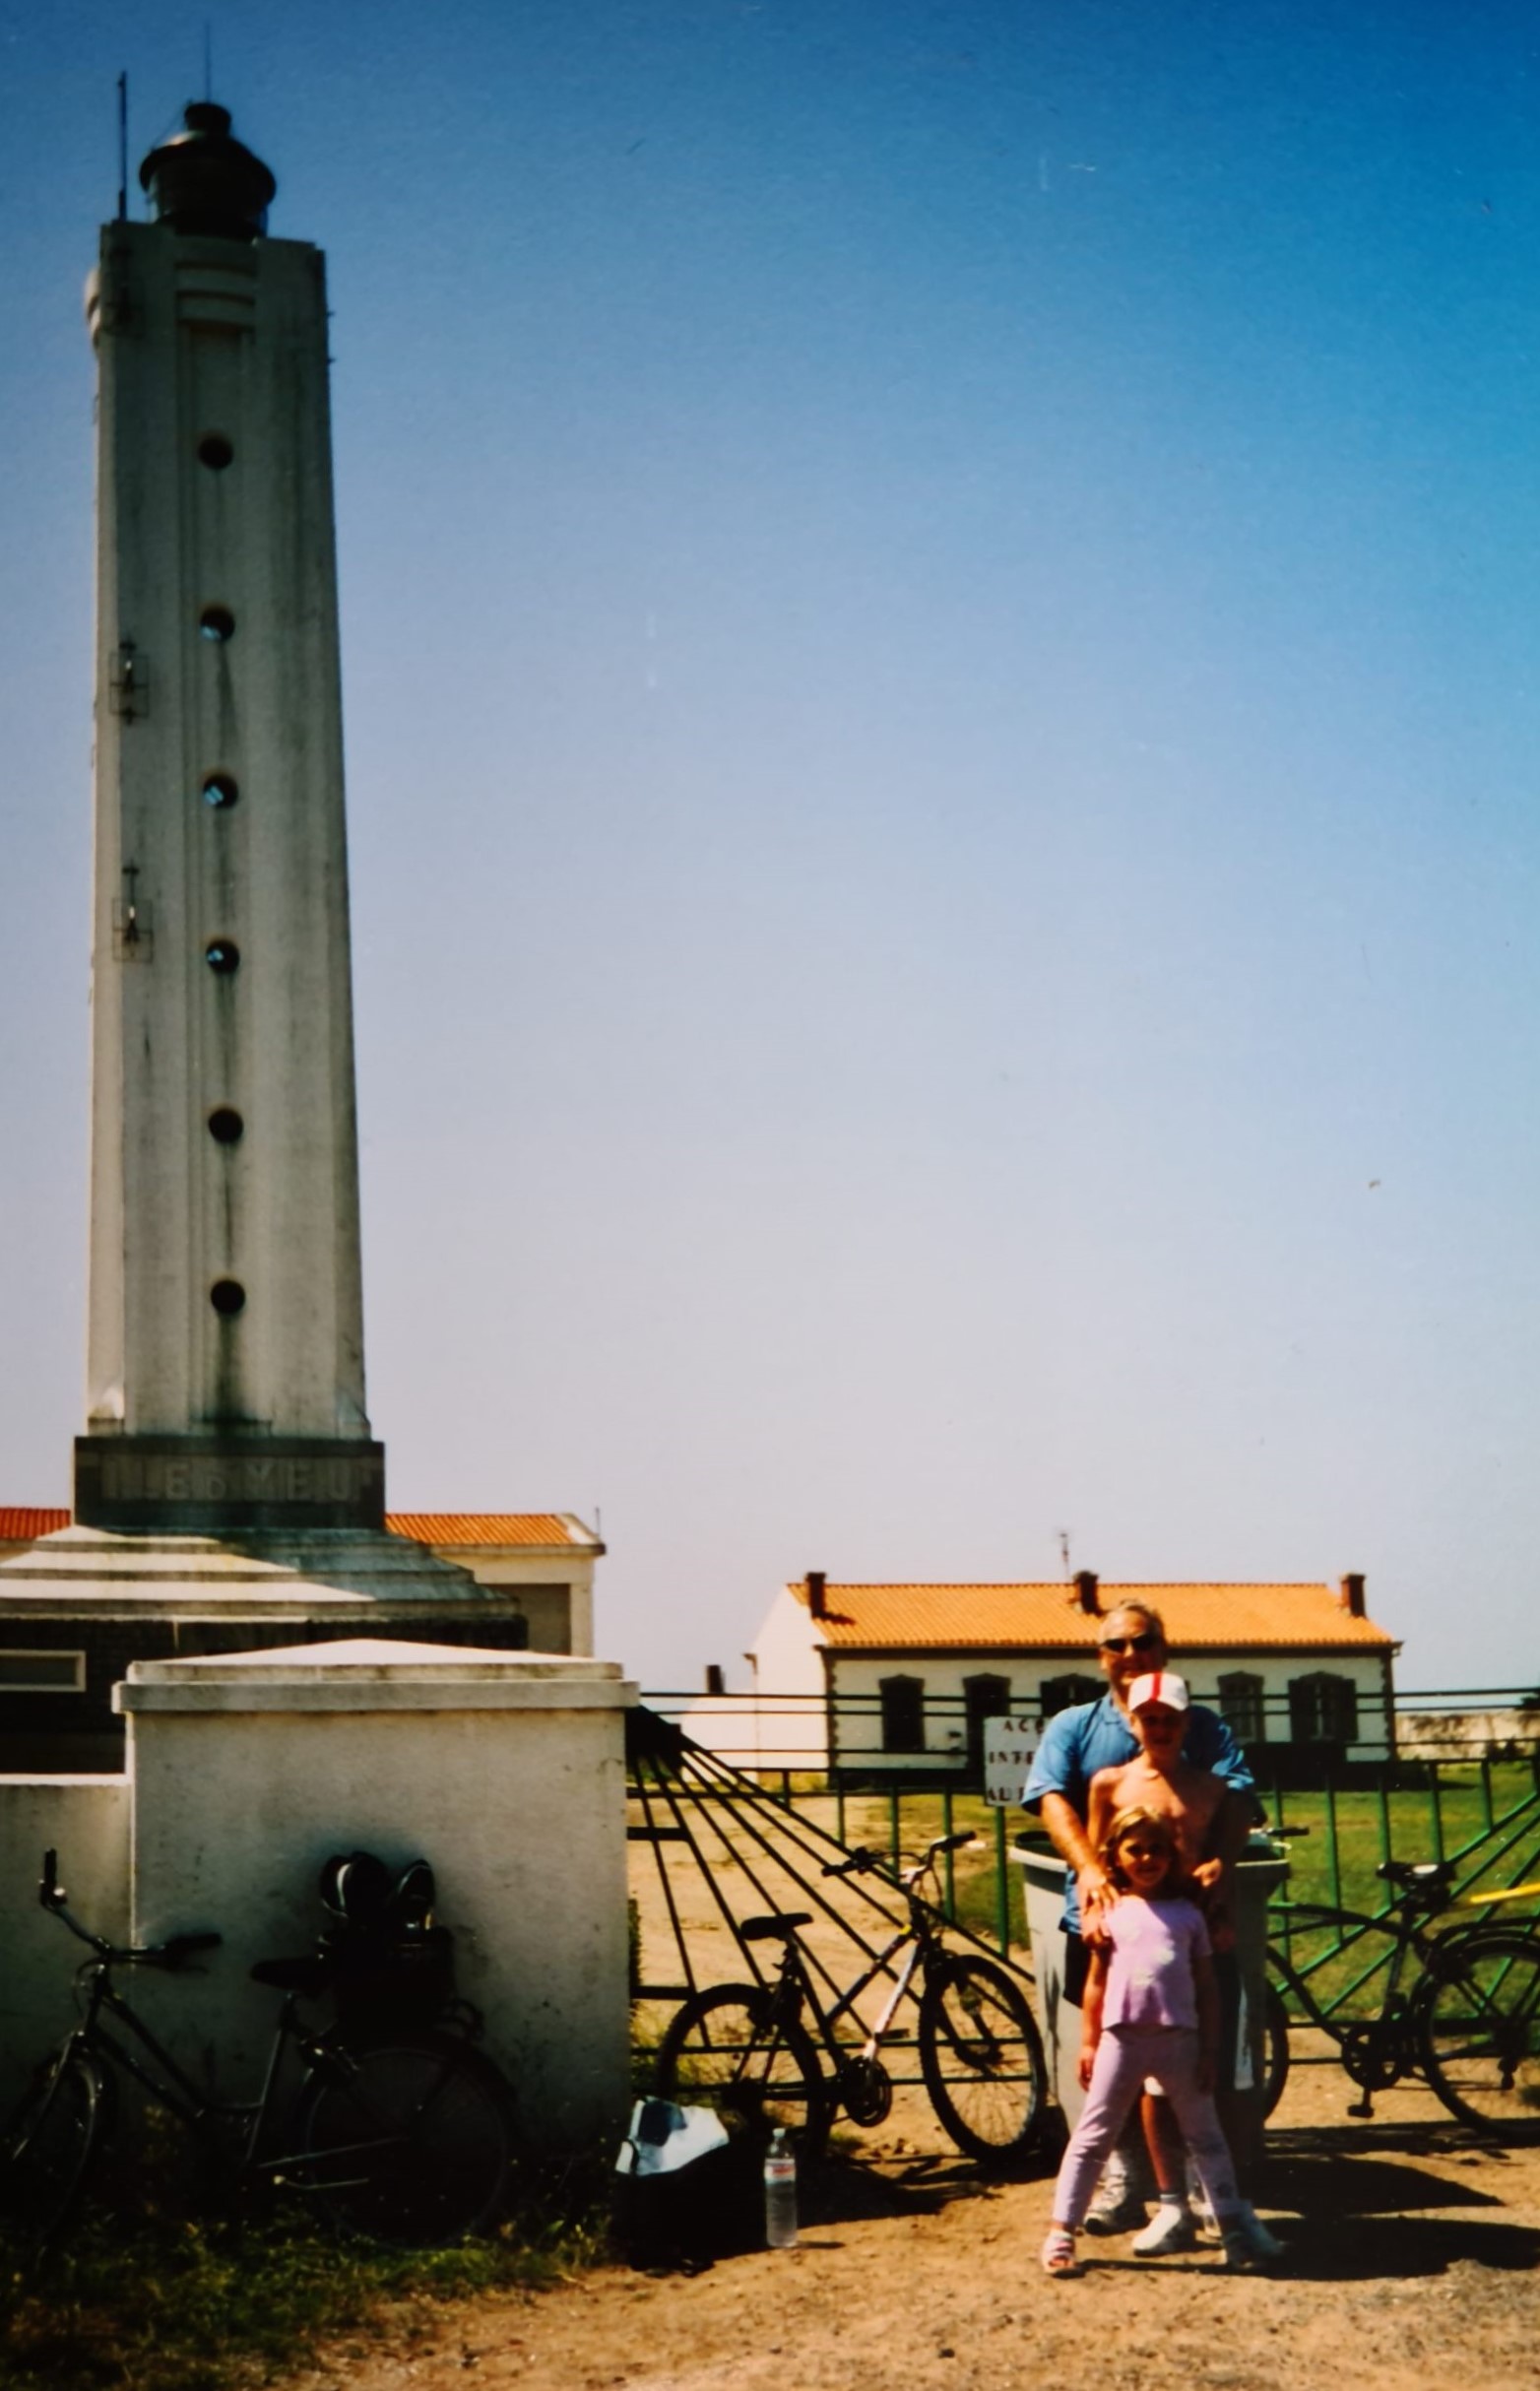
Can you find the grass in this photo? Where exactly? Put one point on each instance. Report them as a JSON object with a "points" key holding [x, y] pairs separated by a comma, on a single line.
{"points": [[147, 2296]]}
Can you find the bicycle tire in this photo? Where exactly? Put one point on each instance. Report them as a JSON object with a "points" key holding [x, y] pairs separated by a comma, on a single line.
{"points": [[724, 2050], [1480, 2034], [406, 2142], [982, 2059], [1275, 2048], [50, 2144]]}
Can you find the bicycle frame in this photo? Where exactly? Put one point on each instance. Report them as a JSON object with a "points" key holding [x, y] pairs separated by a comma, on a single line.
{"points": [[1407, 1939], [175, 2089]]}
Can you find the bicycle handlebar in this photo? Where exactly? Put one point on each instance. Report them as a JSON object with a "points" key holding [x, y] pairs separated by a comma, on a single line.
{"points": [[174, 1952]]}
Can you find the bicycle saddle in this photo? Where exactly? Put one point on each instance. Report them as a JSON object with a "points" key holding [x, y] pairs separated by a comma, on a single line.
{"points": [[1425, 1876], [309, 1975], [785, 1922]]}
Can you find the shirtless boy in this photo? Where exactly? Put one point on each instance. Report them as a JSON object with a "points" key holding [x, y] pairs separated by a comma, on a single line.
{"points": [[1159, 1780]]}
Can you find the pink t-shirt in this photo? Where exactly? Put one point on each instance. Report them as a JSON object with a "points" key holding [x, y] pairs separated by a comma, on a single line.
{"points": [[1149, 1978]]}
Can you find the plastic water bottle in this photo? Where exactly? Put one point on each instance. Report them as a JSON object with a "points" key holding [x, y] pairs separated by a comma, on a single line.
{"points": [[780, 2193]]}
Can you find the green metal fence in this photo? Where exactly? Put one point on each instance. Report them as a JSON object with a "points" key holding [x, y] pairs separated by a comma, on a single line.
{"points": [[1349, 1816]]}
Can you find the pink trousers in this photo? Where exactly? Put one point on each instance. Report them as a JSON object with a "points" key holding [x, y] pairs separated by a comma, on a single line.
{"points": [[1124, 2056]]}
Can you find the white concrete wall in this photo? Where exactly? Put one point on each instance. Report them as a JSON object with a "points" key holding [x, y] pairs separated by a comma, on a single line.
{"points": [[505, 1771], [780, 1722], [85, 1820]]}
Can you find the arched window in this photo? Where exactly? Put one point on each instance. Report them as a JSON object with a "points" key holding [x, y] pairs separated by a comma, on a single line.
{"points": [[1323, 1708], [1063, 1693], [903, 1714], [1242, 1708]]}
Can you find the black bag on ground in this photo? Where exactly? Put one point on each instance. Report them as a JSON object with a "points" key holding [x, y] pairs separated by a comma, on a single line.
{"points": [[685, 2215]]}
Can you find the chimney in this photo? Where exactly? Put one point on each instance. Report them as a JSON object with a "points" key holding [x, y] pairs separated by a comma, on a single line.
{"points": [[817, 1606], [1352, 1596], [1086, 1592], [715, 1682]]}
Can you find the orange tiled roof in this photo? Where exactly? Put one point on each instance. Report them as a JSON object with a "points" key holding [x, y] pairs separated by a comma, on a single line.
{"points": [[1214, 1617], [487, 1527], [22, 1527]]}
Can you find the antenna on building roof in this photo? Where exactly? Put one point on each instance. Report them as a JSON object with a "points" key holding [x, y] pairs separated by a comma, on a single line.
{"points": [[1064, 1551], [122, 149]]}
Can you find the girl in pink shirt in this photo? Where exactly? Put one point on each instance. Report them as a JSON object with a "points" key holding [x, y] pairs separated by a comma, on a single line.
{"points": [[1150, 2009]]}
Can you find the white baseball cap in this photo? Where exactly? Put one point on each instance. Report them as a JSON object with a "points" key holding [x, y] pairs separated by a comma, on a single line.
{"points": [[1163, 1686]]}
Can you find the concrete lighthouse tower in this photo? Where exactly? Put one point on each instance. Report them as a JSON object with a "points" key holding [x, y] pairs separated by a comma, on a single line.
{"points": [[227, 1490], [226, 1343]]}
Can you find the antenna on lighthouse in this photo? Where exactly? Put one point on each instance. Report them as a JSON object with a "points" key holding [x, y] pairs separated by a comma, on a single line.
{"points": [[122, 149]]}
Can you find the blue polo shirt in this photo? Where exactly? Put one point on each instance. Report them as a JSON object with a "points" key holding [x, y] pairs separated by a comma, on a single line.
{"points": [[1094, 1735]]}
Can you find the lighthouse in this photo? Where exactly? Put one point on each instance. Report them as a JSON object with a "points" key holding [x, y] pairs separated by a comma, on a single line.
{"points": [[226, 1314], [228, 1489]]}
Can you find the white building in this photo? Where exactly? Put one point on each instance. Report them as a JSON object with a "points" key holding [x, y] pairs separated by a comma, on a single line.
{"points": [[57, 1668], [897, 1680]]}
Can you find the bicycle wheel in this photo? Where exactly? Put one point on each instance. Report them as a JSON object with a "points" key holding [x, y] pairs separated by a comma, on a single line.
{"points": [[1275, 2048], [407, 2143], [981, 2058], [49, 2144], [724, 2052], [1480, 2029]]}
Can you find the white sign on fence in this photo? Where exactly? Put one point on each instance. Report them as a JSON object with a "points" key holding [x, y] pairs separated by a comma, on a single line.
{"points": [[1009, 1749]]}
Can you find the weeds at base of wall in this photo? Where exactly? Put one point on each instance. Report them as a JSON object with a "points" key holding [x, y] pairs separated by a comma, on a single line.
{"points": [[145, 2295]]}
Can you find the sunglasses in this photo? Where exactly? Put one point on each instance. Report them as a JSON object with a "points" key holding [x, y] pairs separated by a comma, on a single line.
{"points": [[1130, 1644]]}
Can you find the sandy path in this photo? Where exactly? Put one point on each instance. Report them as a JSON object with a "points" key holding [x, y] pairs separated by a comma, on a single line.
{"points": [[1412, 2267]]}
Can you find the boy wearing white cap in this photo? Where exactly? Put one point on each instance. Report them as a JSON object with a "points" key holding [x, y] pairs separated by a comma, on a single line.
{"points": [[1161, 1781]]}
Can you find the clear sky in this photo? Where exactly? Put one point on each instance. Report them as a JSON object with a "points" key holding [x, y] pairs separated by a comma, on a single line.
{"points": [[939, 617]]}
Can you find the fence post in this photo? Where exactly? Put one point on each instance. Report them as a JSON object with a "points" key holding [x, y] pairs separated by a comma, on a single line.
{"points": [[1486, 1794], [892, 1827], [1001, 1887], [950, 1876], [1333, 1855], [838, 1812], [1434, 1810]]}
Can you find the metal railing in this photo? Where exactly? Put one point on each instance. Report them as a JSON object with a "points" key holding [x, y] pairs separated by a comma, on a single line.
{"points": [[1351, 1808]]}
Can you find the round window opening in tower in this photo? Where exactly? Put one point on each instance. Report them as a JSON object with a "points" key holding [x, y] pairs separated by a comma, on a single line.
{"points": [[215, 451], [217, 623], [222, 955], [221, 788], [225, 1125], [227, 1296]]}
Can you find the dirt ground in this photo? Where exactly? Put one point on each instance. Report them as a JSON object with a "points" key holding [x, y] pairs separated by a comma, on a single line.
{"points": [[1412, 2258]]}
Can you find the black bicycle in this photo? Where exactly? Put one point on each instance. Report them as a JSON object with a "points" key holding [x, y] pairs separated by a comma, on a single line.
{"points": [[745, 2050], [1460, 2007], [405, 2138]]}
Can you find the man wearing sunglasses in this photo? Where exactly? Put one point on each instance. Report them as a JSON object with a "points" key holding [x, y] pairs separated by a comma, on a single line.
{"points": [[1093, 1735]]}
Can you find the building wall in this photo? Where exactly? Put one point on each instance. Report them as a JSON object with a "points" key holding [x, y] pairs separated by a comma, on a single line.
{"points": [[857, 1694], [85, 1821]]}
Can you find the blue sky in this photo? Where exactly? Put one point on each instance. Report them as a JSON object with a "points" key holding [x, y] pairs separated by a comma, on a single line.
{"points": [[939, 621]]}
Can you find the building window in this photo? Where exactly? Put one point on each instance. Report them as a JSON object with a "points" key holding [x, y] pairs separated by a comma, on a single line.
{"points": [[42, 1672], [903, 1714], [1242, 1708], [1323, 1708], [985, 1696], [1063, 1693]]}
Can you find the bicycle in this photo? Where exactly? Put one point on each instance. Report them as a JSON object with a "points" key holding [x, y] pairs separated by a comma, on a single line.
{"points": [[405, 2138], [1469, 2021], [745, 2050]]}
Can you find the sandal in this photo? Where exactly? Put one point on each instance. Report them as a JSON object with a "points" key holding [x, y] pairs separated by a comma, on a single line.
{"points": [[1059, 2252]]}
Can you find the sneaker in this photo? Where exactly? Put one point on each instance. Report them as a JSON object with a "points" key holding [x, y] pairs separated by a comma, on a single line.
{"points": [[1261, 2242], [1115, 2210], [1173, 2227], [1239, 2257]]}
